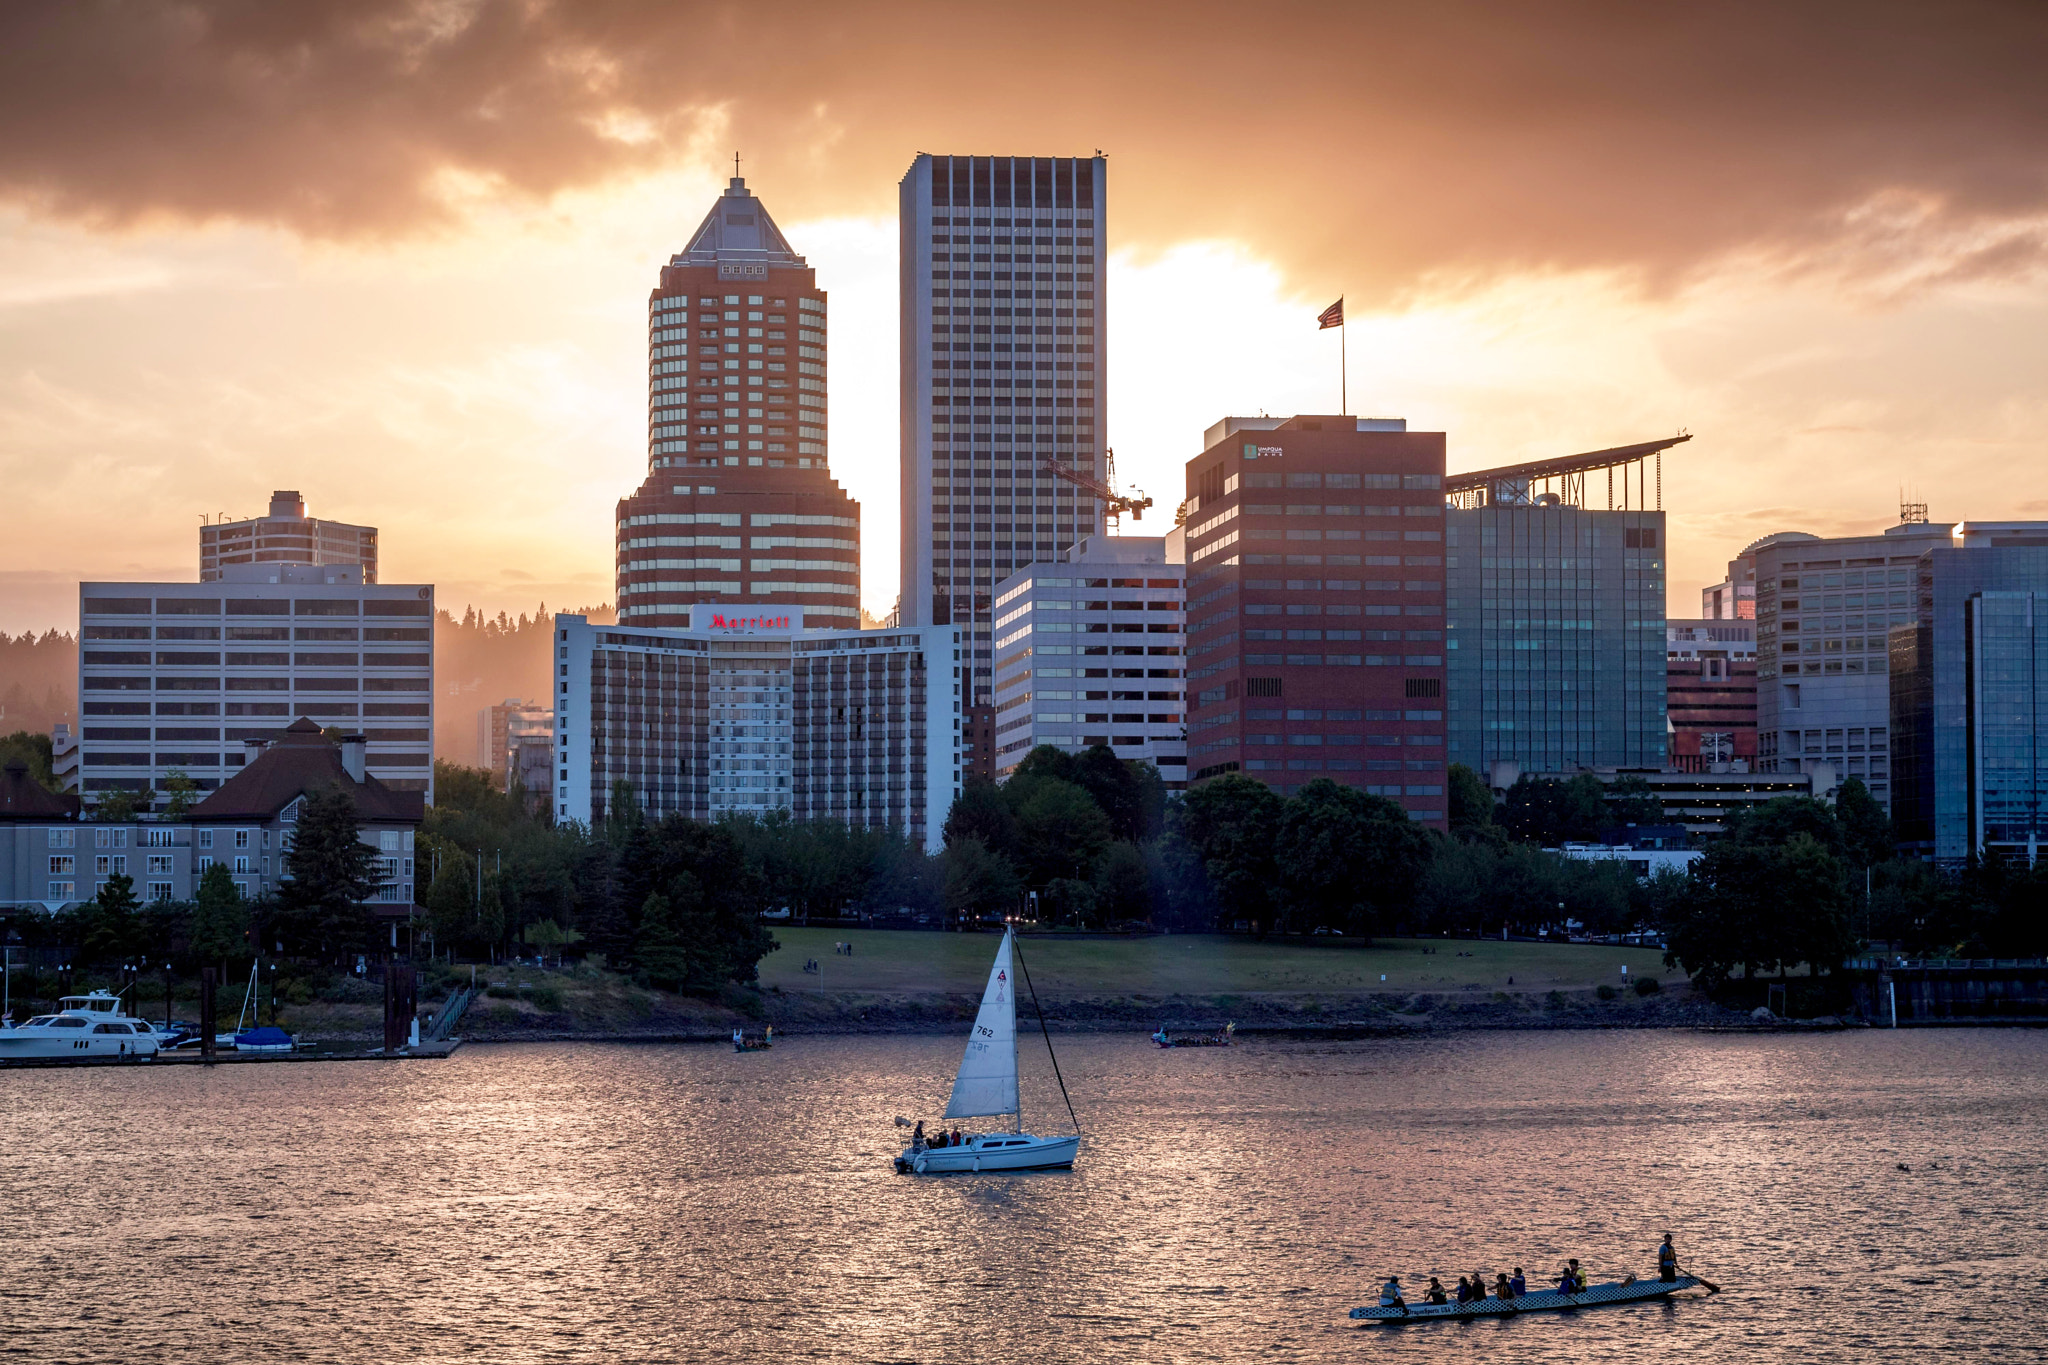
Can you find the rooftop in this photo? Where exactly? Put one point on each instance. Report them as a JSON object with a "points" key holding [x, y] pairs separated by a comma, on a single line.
{"points": [[303, 759], [738, 230]]}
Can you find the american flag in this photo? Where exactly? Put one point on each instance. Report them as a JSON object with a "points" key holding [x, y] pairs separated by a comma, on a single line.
{"points": [[1333, 316]]}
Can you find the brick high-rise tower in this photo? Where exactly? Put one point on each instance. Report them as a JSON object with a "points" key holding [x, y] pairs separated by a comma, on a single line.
{"points": [[739, 507]]}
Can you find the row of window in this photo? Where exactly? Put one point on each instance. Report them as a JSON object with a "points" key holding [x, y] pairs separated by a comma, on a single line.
{"points": [[263, 606]]}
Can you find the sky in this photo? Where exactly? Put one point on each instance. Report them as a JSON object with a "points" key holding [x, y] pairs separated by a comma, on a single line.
{"points": [[396, 253]]}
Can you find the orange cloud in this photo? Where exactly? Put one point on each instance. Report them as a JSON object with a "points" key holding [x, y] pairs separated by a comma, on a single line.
{"points": [[1378, 142]]}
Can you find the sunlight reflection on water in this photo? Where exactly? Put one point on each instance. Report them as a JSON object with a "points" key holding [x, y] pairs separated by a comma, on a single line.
{"points": [[584, 1202]]}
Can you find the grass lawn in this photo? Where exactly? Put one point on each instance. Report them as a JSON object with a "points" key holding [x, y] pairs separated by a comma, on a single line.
{"points": [[1197, 964]]}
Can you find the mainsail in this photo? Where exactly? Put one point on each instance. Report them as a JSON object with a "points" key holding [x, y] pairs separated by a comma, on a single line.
{"points": [[987, 1083]]}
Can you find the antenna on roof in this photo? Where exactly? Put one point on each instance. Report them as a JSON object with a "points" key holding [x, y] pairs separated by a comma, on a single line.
{"points": [[735, 165]]}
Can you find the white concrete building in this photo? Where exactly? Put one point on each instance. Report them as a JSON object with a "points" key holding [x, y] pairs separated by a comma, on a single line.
{"points": [[180, 675], [1091, 650], [285, 536], [752, 713], [1003, 371]]}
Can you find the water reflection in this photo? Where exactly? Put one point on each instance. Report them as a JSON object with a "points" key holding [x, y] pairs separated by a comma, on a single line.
{"points": [[620, 1203]]}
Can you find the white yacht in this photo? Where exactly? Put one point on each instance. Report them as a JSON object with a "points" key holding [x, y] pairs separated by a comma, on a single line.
{"points": [[85, 1027], [986, 1086]]}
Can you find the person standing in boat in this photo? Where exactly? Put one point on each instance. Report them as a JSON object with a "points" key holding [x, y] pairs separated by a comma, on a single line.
{"points": [[1667, 1261], [917, 1137]]}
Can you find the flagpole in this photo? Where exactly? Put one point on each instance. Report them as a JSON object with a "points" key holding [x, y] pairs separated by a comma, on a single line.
{"points": [[1343, 373]]}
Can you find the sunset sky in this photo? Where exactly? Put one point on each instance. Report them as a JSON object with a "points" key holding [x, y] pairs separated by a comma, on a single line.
{"points": [[397, 255]]}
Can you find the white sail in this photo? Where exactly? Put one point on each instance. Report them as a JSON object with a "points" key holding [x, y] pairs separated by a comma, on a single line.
{"points": [[987, 1083]]}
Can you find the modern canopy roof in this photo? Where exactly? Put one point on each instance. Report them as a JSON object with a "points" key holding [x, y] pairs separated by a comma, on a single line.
{"points": [[1558, 468], [738, 230]]}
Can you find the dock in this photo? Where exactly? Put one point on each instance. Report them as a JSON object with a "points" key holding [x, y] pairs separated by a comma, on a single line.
{"points": [[184, 1057]]}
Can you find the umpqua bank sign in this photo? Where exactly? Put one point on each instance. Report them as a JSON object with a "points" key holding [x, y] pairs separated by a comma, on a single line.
{"points": [[765, 621]]}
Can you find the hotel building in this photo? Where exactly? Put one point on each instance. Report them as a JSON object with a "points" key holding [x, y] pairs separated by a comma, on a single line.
{"points": [[1315, 614], [1089, 651], [1003, 375], [748, 715], [739, 506]]}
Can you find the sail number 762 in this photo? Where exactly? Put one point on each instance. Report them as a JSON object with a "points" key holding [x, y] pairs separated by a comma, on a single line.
{"points": [[984, 1032]]}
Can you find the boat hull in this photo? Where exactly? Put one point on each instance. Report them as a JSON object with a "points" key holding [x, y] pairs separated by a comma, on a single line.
{"points": [[1539, 1301], [72, 1045], [993, 1153]]}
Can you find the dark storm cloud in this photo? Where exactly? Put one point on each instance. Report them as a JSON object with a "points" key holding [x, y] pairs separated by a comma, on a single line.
{"points": [[1389, 139]]}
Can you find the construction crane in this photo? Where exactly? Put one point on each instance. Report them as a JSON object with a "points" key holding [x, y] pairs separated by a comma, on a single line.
{"points": [[1115, 504]]}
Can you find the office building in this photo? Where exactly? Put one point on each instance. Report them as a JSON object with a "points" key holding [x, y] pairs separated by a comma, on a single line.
{"points": [[1554, 613], [286, 536], [1969, 696], [49, 859], [739, 506], [1734, 597], [748, 715], [1710, 695], [1004, 377], [978, 745], [1089, 651], [1315, 616], [176, 676], [500, 728], [1823, 610]]}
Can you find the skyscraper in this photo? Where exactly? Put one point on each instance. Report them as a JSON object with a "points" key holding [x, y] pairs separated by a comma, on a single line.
{"points": [[739, 504], [1315, 616], [1002, 377]]}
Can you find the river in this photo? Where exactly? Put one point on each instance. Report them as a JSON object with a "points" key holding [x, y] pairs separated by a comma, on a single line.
{"points": [[1856, 1195]]}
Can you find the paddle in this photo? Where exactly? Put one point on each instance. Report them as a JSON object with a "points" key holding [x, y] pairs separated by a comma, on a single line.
{"points": [[1712, 1288]]}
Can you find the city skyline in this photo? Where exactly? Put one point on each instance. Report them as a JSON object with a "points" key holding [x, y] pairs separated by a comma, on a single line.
{"points": [[168, 349]]}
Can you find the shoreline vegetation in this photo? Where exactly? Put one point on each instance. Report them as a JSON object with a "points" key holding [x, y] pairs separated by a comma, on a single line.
{"points": [[910, 982]]}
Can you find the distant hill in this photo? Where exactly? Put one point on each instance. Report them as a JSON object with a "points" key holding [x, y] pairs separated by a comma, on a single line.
{"points": [[480, 661], [38, 681]]}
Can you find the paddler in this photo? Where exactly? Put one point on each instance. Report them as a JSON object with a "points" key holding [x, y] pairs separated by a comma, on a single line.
{"points": [[1667, 1261], [1390, 1295]]}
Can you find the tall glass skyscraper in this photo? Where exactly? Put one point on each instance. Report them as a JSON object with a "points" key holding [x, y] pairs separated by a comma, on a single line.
{"points": [[1969, 696], [1003, 373], [1553, 632]]}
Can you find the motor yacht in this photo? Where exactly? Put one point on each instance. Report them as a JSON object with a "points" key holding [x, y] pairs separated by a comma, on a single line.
{"points": [[91, 1027]]}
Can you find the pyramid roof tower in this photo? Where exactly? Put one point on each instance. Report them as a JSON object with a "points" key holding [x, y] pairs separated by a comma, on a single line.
{"points": [[738, 230]]}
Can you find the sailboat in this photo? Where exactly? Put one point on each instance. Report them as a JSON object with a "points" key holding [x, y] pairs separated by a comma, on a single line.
{"points": [[986, 1086]]}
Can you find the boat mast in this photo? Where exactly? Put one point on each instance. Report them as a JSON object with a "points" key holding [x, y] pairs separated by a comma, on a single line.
{"points": [[1012, 934]]}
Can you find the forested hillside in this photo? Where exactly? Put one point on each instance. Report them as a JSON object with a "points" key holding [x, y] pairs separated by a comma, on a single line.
{"points": [[38, 681], [480, 661]]}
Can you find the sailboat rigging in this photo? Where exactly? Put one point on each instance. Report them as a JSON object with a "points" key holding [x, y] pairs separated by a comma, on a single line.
{"points": [[986, 1087]]}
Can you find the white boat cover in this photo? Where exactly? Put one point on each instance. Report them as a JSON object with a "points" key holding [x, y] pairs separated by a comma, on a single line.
{"points": [[987, 1083]]}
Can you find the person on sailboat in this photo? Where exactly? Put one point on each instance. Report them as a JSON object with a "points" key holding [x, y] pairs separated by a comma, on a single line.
{"points": [[954, 1140], [1667, 1261], [917, 1137]]}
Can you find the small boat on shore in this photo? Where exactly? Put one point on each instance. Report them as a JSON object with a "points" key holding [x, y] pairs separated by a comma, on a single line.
{"points": [[1221, 1038], [1536, 1301]]}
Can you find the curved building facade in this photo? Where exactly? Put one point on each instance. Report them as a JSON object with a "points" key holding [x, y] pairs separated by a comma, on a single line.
{"points": [[739, 506]]}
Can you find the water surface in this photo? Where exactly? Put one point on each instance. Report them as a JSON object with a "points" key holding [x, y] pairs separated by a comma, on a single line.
{"points": [[619, 1203]]}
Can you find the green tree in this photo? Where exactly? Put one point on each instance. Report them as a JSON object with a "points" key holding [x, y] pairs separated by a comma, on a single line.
{"points": [[658, 948], [111, 926], [1471, 801], [32, 748], [451, 901], [1233, 823], [1060, 828], [120, 807], [1550, 812], [981, 812], [1812, 883], [977, 880], [1633, 801], [546, 937], [330, 876], [1123, 884], [182, 791], [1348, 860], [220, 923], [1866, 829]]}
